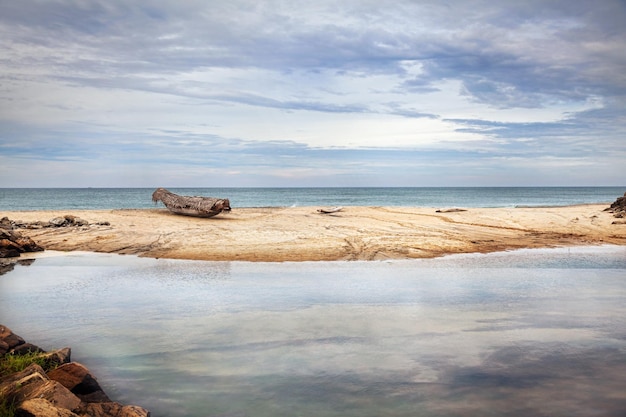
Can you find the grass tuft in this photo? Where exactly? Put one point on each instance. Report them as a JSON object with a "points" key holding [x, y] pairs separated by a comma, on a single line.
{"points": [[11, 363]]}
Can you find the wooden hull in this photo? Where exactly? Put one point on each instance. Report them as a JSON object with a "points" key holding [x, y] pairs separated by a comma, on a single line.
{"points": [[194, 206], [193, 213]]}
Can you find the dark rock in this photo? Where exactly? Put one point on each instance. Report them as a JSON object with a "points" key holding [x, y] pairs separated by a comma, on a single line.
{"points": [[94, 397], [27, 348], [5, 223], [8, 250], [75, 221], [4, 347], [68, 220], [12, 243], [33, 225], [58, 221], [10, 338], [77, 378], [618, 207], [57, 357]]}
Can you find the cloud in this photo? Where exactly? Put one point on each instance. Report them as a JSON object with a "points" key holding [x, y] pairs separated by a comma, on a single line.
{"points": [[516, 80]]}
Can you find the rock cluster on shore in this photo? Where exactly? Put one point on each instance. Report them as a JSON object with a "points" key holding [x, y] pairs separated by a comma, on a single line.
{"points": [[66, 389], [13, 243], [618, 208], [67, 220]]}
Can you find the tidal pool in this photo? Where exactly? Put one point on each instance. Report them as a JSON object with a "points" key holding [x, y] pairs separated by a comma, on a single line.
{"points": [[523, 333]]}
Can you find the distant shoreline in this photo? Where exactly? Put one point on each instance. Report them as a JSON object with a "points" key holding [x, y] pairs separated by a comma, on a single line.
{"points": [[303, 234]]}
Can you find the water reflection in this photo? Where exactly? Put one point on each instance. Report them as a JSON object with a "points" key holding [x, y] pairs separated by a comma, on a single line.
{"points": [[457, 336]]}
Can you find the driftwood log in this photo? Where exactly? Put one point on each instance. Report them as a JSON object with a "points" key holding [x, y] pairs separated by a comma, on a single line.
{"points": [[191, 205]]}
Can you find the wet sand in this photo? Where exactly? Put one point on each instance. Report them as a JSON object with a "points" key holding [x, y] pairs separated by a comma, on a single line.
{"points": [[303, 234]]}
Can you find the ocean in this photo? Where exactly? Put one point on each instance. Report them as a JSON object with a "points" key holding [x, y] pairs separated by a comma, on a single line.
{"points": [[12, 199]]}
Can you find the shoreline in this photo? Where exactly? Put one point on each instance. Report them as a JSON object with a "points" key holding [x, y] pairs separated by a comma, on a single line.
{"points": [[267, 234]]}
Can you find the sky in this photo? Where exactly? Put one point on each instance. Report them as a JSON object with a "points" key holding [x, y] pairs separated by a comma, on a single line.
{"points": [[252, 93]]}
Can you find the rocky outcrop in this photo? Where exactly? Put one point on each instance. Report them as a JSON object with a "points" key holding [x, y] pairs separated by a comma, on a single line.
{"points": [[12, 243], [618, 208], [67, 220], [54, 386]]}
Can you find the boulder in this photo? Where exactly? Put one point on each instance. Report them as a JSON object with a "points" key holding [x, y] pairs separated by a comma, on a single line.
{"points": [[11, 339], [618, 207], [32, 383], [4, 347], [5, 223], [77, 378], [39, 407], [55, 393], [10, 384], [57, 357], [9, 249], [68, 220], [26, 348], [12, 243], [58, 221]]}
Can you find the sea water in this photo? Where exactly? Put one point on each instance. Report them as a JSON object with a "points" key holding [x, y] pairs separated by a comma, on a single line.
{"points": [[522, 333], [117, 198]]}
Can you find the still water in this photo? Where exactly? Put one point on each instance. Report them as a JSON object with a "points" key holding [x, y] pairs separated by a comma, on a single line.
{"points": [[523, 333]]}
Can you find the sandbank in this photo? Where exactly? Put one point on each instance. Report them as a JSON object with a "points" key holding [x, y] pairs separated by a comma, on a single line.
{"points": [[303, 234]]}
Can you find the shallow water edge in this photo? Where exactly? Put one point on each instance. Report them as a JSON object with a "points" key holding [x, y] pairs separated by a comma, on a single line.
{"points": [[530, 332]]}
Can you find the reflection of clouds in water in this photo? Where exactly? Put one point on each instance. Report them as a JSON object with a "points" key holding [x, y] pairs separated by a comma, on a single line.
{"points": [[531, 380], [552, 379], [173, 272], [432, 337]]}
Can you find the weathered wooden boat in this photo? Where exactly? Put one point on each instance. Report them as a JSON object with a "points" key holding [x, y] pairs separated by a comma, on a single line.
{"points": [[191, 205], [330, 210]]}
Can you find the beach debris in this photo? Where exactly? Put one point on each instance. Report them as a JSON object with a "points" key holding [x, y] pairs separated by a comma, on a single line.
{"points": [[450, 210], [330, 210], [191, 205]]}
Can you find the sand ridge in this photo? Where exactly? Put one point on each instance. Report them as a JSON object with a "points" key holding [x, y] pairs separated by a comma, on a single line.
{"points": [[303, 234]]}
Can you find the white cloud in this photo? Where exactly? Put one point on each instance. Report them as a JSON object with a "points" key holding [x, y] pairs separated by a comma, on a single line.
{"points": [[139, 83]]}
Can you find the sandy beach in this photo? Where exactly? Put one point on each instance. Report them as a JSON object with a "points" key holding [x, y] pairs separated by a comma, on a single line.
{"points": [[303, 234]]}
